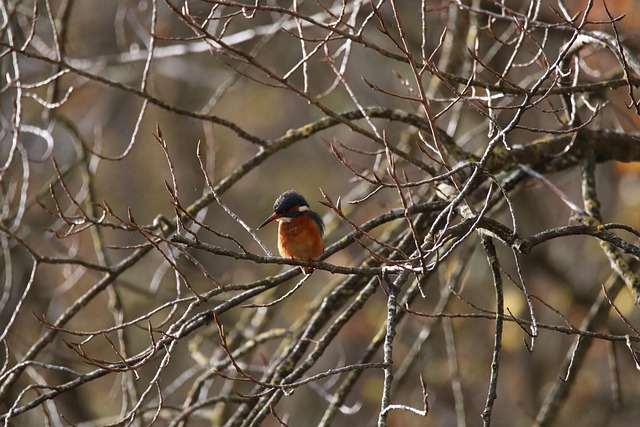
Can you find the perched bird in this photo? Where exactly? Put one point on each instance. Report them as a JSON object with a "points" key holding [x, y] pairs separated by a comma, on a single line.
{"points": [[300, 230]]}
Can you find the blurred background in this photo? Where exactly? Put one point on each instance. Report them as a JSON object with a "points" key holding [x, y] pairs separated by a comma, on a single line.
{"points": [[87, 84]]}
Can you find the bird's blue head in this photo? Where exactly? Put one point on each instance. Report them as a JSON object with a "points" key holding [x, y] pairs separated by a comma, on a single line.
{"points": [[291, 204], [287, 201]]}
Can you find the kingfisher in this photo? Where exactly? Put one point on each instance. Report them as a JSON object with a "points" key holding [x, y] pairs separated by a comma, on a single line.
{"points": [[300, 230]]}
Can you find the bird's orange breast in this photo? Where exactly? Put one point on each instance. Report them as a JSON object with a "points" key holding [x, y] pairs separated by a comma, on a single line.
{"points": [[300, 238]]}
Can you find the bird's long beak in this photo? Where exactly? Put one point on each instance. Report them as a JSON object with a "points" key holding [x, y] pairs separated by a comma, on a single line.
{"points": [[269, 220]]}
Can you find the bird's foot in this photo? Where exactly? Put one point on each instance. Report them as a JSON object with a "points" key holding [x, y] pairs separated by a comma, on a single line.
{"points": [[309, 269]]}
